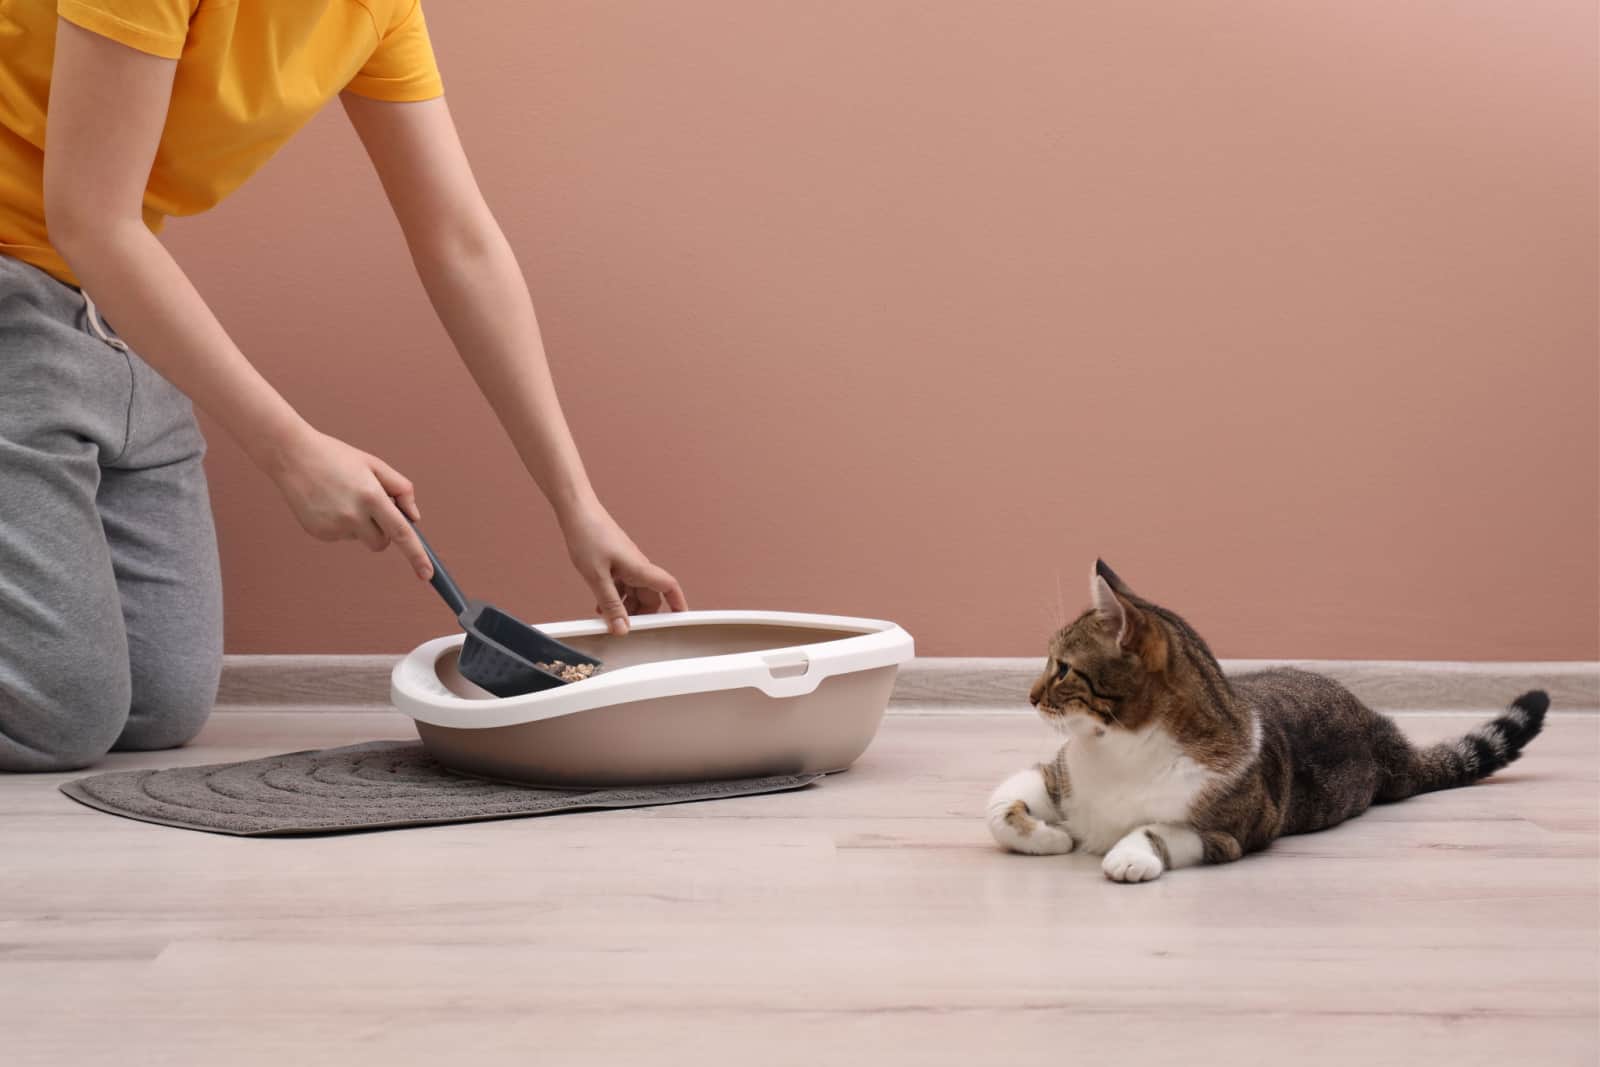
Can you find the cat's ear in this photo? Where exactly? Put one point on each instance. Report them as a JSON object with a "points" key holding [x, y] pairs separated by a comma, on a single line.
{"points": [[1117, 615], [1116, 583]]}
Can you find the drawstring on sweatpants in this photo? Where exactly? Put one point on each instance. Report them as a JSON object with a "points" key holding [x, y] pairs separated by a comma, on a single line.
{"points": [[97, 325]]}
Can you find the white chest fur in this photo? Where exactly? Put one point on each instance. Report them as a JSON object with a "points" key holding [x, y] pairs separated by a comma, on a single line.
{"points": [[1121, 781]]}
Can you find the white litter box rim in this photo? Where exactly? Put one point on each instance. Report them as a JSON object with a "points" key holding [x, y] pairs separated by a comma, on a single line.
{"points": [[416, 690]]}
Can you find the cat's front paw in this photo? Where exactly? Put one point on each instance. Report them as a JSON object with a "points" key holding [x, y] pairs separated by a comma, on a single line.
{"points": [[1133, 859], [1015, 828]]}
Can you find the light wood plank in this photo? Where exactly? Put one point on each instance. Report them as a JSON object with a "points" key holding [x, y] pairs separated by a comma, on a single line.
{"points": [[868, 920]]}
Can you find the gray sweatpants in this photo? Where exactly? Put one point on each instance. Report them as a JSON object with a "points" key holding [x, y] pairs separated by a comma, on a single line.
{"points": [[110, 596]]}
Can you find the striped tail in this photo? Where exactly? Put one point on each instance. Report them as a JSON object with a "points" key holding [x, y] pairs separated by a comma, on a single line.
{"points": [[1480, 753]]}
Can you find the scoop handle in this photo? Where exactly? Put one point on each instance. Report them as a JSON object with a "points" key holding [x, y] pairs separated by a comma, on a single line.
{"points": [[441, 581]]}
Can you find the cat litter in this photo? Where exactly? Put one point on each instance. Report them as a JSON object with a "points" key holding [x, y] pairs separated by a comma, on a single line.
{"points": [[568, 672]]}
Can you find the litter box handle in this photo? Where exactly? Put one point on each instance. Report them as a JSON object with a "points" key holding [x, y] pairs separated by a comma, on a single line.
{"points": [[446, 587], [786, 673]]}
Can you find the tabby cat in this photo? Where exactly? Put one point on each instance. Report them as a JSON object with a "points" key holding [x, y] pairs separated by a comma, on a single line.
{"points": [[1167, 763]]}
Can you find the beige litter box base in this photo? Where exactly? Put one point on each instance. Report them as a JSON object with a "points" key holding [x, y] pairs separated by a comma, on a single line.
{"points": [[696, 738], [770, 694]]}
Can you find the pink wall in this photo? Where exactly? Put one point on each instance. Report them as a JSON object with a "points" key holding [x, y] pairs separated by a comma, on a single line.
{"points": [[909, 309]]}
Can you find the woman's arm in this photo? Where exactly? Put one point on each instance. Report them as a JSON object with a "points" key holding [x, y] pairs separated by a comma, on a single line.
{"points": [[108, 104], [476, 287]]}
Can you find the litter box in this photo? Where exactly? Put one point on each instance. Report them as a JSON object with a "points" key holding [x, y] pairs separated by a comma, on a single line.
{"points": [[689, 696]]}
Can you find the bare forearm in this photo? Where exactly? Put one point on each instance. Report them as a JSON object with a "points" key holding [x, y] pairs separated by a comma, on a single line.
{"points": [[146, 295], [475, 284], [478, 291], [108, 103]]}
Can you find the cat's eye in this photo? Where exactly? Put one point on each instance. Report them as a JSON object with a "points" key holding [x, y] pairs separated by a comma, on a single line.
{"points": [[1063, 669]]}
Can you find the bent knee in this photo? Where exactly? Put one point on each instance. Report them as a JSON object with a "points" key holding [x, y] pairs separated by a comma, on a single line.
{"points": [[167, 727], [170, 708], [62, 718]]}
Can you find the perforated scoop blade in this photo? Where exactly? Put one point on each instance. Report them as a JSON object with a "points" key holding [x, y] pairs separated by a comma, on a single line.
{"points": [[501, 653]]}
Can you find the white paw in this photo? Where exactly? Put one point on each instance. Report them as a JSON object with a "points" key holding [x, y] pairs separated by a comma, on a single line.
{"points": [[1132, 860], [1019, 831], [1045, 840]]}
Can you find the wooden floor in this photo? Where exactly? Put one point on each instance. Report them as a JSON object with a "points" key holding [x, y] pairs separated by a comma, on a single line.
{"points": [[865, 921]]}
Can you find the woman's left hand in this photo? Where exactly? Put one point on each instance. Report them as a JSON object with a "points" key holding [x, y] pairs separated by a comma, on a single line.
{"points": [[623, 579]]}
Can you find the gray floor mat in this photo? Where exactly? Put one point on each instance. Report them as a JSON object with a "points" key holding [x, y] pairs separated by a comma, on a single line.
{"points": [[374, 786]]}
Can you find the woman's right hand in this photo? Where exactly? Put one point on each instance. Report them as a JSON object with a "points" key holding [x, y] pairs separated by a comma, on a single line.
{"points": [[340, 493]]}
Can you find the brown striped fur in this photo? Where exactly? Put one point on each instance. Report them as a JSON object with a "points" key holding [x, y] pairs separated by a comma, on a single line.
{"points": [[1273, 753]]}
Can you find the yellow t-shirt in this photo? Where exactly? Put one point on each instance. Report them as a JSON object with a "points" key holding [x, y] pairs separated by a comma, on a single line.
{"points": [[250, 73]]}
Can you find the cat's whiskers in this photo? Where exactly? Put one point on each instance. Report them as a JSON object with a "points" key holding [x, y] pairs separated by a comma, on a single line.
{"points": [[1051, 612]]}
